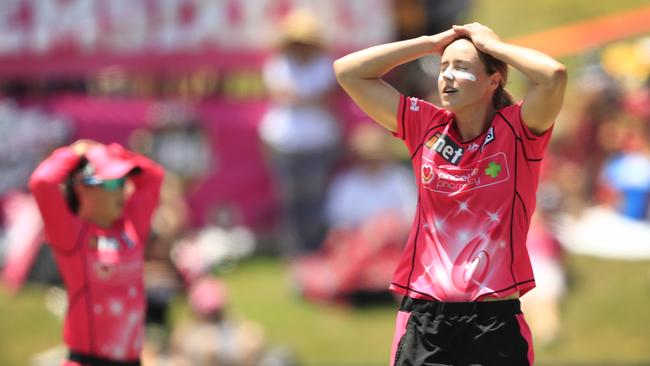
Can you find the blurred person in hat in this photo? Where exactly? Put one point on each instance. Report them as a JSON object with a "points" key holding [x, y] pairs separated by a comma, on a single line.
{"points": [[96, 201], [299, 131]]}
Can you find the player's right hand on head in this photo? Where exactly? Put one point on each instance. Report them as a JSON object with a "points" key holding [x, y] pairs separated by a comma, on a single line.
{"points": [[80, 147]]}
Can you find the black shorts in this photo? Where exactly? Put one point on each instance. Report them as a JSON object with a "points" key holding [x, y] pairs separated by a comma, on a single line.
{"points": [[89, 360], [461, 334]]}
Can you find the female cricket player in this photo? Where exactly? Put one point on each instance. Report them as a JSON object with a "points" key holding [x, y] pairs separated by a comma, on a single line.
{"points": [[96, 202], [477, 161]]}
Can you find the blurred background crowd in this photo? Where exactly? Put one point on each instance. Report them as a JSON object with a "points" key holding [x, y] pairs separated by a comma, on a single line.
{"points": [[267, 159]]}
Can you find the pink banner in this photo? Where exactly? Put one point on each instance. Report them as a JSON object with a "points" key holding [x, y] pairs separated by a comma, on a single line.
{"points": [[150, 64], [65, 37], [239, 174]]}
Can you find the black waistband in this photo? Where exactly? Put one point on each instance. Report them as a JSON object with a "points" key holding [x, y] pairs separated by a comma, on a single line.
{"points": [[88, 360], [410, 304]]}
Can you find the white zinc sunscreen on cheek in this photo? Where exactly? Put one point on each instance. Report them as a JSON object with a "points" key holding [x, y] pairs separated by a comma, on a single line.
{"points": [[458, 74]]}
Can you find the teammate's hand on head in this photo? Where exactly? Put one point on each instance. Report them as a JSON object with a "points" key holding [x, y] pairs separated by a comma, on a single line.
{"points": [[482, 36], [80, 147], [442, 40]]}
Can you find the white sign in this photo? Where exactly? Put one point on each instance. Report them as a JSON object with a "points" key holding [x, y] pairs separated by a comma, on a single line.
{"points": [[136, 26]]}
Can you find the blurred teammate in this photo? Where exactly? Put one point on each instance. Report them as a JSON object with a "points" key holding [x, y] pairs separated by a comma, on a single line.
{"points": [[476, 162], [96, 202]]}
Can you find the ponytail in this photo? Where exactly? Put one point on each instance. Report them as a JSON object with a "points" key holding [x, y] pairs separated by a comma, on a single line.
{"points": [[502, 97], [71, 197]]}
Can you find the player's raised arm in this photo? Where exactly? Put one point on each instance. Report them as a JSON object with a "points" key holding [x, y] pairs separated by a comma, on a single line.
{"points": [[359, 73], [547, 76]]}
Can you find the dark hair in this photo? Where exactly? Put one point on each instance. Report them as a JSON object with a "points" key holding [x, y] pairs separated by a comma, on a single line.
{"points": [[502, 97], [71, 197]]}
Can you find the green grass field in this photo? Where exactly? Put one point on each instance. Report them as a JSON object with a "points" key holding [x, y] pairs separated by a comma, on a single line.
{"points": [[606, 318]]}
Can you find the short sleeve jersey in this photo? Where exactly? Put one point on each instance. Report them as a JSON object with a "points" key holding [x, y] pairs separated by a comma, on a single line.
{"points": [[102, 267], [476, 198]]}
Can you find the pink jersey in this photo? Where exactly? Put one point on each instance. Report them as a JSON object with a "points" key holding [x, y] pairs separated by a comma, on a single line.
{"points": [[101, 268], [468, 238]]}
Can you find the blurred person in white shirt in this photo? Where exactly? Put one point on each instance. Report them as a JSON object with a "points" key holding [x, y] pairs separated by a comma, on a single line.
{"points": [[299, 131]]}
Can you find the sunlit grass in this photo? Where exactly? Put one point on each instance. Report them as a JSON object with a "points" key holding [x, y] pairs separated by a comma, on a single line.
{"points": [[605, 320]]}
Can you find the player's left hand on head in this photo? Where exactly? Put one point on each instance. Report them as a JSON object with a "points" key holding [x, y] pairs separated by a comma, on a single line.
{"points": [[480, 35]]}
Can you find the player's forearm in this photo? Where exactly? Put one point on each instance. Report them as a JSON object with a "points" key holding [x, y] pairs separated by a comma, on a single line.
{"points": [[537, 66], [150, 174], [373, 62], [55, 169]]}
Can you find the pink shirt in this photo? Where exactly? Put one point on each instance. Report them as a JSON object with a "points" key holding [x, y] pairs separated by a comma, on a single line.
{"points": [[101, 268], [468, 238]]}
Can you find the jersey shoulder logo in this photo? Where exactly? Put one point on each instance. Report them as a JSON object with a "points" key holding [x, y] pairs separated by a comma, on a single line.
{"points": [[414, 105], [444, 146], [489, 137]]}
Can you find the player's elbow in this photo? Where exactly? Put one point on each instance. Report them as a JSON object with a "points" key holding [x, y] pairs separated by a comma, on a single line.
{"points": [[344, 70], [554, 81], [559, 75], [40, 187], [38, 182], [339, 69]]}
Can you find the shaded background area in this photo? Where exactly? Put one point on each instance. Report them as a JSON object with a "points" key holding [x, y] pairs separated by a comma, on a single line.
{"points": [[191, 82]]}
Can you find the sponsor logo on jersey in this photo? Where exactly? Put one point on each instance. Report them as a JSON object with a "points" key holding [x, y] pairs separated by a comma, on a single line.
{"points": [[473, 147], [427, 173], [489, 137], [414, 105], [103, 270], [105, 243], [493, 169], [450, 180], [117, 269], [445, 147]]}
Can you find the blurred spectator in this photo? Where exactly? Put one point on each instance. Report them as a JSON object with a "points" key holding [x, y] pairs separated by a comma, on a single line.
{"points": [[369, 208], [177, 141], [415, 18], [217, 246], [21, 239], [215, 337], [626, 177], [542, 304], [589, 139], [299, 130], [427, 17], [372, 186], [27, 134], [161, 280], [608, 169]]}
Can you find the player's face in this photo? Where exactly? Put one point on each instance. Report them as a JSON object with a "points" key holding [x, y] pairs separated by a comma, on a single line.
{"points": [[463, 81], [105, 204]]}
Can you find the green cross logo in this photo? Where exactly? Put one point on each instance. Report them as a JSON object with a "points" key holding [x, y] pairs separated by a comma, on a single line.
{"points": [[493, 169]]}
